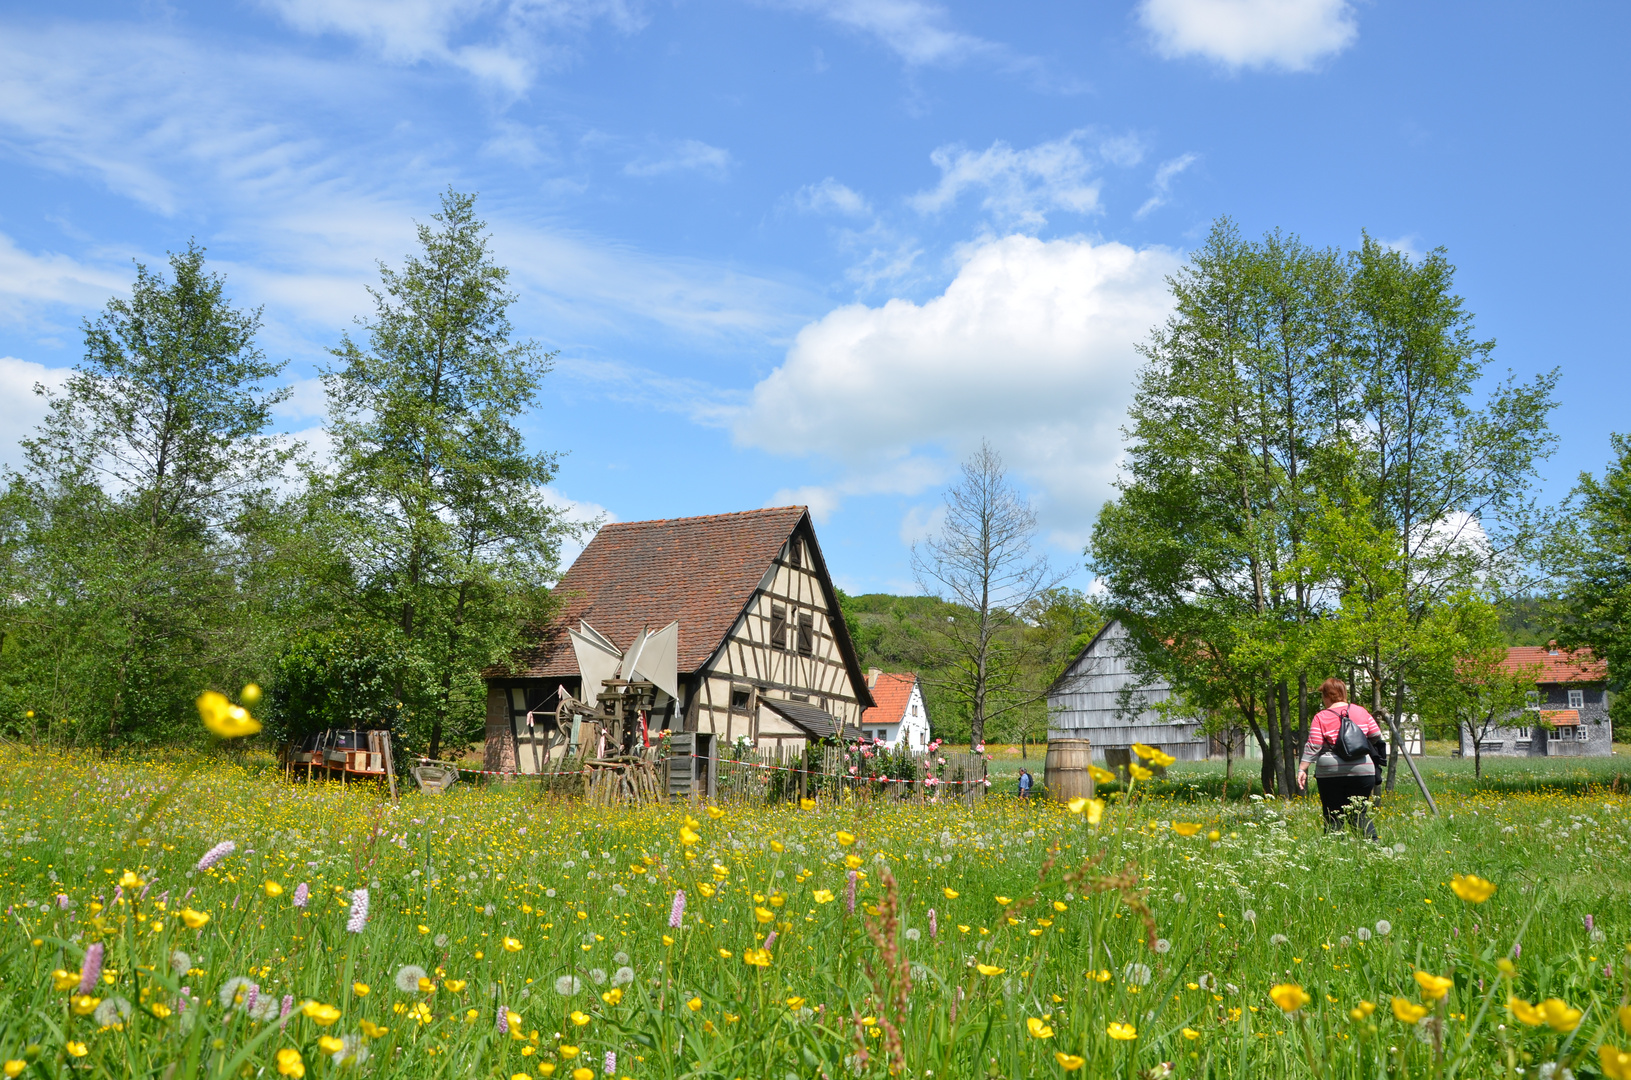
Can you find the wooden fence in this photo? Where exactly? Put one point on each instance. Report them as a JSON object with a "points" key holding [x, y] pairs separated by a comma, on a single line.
{"points": [[747, 777]]}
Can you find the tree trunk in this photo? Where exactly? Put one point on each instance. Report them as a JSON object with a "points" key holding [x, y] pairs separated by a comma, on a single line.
{"points": [[1288, 741]]}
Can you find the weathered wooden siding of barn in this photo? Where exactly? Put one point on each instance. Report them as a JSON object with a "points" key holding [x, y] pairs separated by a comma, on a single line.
{"points": [[1085, 703]]}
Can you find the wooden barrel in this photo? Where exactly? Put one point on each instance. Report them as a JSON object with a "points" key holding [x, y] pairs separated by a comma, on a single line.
{"points": [[1065, 771]]}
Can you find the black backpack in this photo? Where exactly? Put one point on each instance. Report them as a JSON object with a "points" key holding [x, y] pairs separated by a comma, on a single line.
{"points": [[1351, 744]]}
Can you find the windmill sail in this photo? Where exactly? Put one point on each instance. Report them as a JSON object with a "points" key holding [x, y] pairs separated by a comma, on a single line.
{"points": [[598, 659]]}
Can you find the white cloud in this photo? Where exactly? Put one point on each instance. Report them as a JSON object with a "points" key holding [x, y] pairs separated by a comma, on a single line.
{"points": [[20, 407], [919, 33], [1032, 346], [688, 155], [1162, 185], [1022, 186], [588, 516], [500, 42], [1292, 35], [831, 197], [29, 280]]}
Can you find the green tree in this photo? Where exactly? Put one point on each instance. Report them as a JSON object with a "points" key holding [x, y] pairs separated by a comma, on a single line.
{"points": [[122, 530], [1590, 553], [435, 508]]}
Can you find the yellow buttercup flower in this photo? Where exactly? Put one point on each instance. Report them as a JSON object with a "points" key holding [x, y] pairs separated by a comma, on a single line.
{"points": [[372, 1030], [129, 880], [715, 812], [195, 920], [1101, 776], [455, 985], [1434, 987], [989, 969], [1003, 900], [1162, 758], [579, 1018], [511, 945], [763, 914], [272, 888], [1406, 1011], [225, 719], [1559, 1015], [1362, 1010], [14, 1066], [822, 896], [756, 957], [360, 989], [320, 1014], [1143, 751], [1122, 1032], [76, 1049], [289, 1063], [807, 804], [794, 1002], [951, 894], [1525, 1012], [1472, 889], [1186, 828], [64, 980], [844, 838], [330, 1045], [581, 1073], [1038, 1029], [1616, 1063], [1069, 1062], [1191, 1033], [1289, 996], [1625, 1018], [1139, 772], [568, 1052]]}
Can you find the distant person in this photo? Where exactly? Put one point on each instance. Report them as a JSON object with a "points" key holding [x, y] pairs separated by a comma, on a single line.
{"points": [[1025, 783], [1341, 741]]}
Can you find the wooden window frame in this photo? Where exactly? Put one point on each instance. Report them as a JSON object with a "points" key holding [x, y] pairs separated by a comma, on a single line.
{"points": [[806, 634], [778, 627], [747, 698]]}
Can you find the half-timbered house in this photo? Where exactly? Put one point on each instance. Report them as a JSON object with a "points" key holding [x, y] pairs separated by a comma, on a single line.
{"points": [[762, 655]]}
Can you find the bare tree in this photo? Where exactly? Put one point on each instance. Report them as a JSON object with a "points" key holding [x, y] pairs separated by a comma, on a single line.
{"points": [[982, 561]]}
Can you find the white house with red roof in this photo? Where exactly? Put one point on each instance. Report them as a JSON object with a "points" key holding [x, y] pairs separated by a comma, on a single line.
{"points": [[1567, 714], [900, 719]]}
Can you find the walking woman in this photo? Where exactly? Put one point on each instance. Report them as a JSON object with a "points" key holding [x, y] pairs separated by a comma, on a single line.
{"points": [[1341, 758]]}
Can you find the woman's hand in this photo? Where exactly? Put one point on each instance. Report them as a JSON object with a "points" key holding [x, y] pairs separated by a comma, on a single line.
{"points": [[1302, 778]]}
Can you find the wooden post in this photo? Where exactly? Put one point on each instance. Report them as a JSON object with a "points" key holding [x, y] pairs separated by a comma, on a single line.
{"points": [[1404, 752], [390, 766]]}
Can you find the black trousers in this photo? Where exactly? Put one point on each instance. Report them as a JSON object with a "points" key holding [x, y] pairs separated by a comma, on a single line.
{"points": [[1335, 793]]}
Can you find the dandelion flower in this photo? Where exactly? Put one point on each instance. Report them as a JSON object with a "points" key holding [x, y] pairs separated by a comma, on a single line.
{"points": [[234, 991], [1383, 927], [1136, 973], [112, 1011], [1162, 945], [567, 985], [408, 976], [623, 976]]}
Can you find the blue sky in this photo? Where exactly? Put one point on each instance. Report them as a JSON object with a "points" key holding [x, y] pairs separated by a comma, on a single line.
{"points": [[815, 250]]}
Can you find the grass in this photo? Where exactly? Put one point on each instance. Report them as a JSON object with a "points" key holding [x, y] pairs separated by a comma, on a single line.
{"points": [[1035, 958]]}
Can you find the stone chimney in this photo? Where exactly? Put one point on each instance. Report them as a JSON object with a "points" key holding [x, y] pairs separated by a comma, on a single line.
{"points": [[872, 677]]}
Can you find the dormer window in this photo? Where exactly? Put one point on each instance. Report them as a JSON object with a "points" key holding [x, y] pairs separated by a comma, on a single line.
{"points": [[795, 552]]}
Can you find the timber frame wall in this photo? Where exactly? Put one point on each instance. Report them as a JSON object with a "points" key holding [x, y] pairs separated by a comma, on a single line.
{"points": [[749, 663]]}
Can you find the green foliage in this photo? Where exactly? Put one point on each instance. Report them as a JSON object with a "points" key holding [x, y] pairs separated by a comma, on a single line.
{"points": [[335, 679], [130, 527], [1591, 553]]}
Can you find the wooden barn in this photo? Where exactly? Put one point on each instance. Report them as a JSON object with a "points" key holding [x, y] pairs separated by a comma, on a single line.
{"points": [[1096, 698], [759, 647]]}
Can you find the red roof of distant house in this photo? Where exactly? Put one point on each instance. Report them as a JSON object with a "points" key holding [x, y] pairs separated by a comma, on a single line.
{"points": [[1554, 665], [1561, 717], [892, 692]]}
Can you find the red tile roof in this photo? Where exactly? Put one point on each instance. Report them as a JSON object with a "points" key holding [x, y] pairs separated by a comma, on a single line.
{"points": [[892, 692], [1561, 717], [701, 571], [1553, 665]]}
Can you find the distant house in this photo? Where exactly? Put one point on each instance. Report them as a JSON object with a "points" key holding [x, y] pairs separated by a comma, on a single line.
{"points": [[762, 651], [1086, 702], [1567, 714], [900, 719]]}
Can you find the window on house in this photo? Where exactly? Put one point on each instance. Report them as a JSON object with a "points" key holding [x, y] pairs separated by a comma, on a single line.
{"points": [[1577, 699], [1581, 735], [798, 697], [1532, 699], [806, 634], [1523, 733], [740, 696], [795, 552], [778, 627]]}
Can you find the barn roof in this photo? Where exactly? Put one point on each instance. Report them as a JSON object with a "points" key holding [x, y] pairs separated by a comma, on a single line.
{"points": [[893, 692], [700, 571], [1554, 665], [814, 721]]}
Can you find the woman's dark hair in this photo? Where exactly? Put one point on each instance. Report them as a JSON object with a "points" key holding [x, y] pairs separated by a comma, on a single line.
{"points": [[1333, 690]]}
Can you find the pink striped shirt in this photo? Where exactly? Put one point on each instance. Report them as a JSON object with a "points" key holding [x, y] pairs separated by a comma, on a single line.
{"points": [[1322, 736]]}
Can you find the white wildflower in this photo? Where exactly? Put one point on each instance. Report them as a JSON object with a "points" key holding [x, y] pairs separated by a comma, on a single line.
{"points": [[622, 976], [1137, 974], [233, 990], [1384, 927], [567, 985], [1279, 939], [1162, 945], [597, 975]]}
